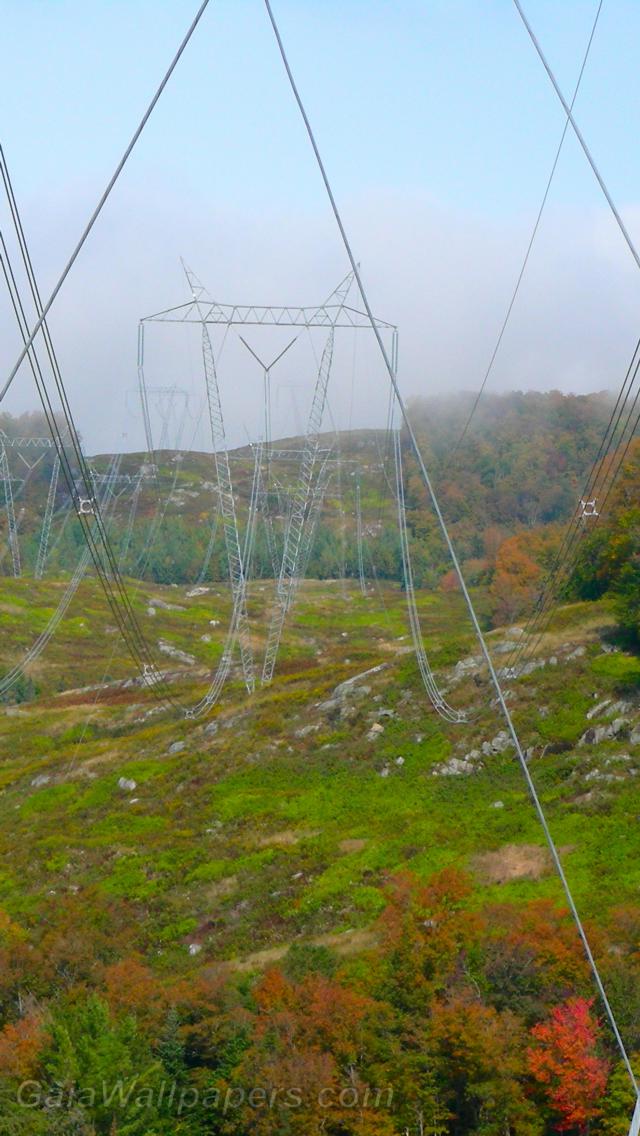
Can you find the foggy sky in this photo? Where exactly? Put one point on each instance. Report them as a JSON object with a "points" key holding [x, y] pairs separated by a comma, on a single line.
{"points": [[441, 264]]}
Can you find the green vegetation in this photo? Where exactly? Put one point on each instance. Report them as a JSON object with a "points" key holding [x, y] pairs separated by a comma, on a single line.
{"points": [[304, 891]]}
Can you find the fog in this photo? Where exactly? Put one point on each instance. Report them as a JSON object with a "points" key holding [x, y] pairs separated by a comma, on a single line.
{"points": [[444, 277]]}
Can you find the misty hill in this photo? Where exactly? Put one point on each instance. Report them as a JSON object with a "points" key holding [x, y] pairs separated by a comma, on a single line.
{"points": [[521, 466]]}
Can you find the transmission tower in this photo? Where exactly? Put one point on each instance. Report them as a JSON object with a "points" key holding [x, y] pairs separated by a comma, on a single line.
{"points": [[361, 575], [43, 547], [225, 494], [12, 528], [293, 538]]}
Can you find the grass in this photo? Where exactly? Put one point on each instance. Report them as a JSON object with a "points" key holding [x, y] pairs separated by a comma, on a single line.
{"points": [[263, 832]]}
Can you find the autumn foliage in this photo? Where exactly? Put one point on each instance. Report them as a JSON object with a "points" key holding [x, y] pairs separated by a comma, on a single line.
{"points": [[459, 1021], [564, 1061]]}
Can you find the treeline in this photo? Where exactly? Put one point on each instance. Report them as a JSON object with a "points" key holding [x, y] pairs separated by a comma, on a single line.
{"points": [[461, 1020], [609, 558], [506, 491]]}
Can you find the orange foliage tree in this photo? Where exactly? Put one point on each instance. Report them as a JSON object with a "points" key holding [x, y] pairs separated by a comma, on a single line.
{"points": [[565, 1063]]}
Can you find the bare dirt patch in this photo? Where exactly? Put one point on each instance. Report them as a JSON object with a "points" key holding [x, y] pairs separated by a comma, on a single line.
{"points": [[512, 862], [352, 845], [343, 943], [222, 888], [287, 838]]}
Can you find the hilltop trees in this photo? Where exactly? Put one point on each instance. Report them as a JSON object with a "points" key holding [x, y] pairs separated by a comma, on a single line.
{"points": [[609, 559], [459, 1022]]}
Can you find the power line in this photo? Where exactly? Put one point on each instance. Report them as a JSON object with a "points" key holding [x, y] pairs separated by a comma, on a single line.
{"points": [[98, 209], [106, 570], [579, 135], [445, 532], [534, 233]]}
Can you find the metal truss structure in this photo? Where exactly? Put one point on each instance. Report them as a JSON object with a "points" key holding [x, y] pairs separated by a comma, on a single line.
{"points": [[239, 628], [11, 677], [12, 528], [43, 547], [361, 574], [292, 555], [287, 580]]}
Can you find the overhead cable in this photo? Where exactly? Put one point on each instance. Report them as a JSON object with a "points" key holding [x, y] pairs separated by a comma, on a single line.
{"points": [[445, 532], [98, 209]]}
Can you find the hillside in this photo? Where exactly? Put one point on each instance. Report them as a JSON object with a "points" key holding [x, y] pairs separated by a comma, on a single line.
{"points": [[157, 864], [322, 909]]}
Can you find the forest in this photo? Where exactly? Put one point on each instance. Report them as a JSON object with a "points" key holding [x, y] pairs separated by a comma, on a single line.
{"points": [[466, 1006]]}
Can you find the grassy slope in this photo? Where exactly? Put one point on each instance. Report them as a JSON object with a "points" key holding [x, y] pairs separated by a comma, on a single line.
{"points": [[282, 823]]}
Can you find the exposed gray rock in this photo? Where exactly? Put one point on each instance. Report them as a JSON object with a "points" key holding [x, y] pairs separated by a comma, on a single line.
{"points": [[175, 653], [467, 666], [176, 747], [155, 601], [344, 687], [597, 734], [127, 784], [620, 707], [40, 780], [531, 666], [375, 732], [505, 648], [598, 775], [212, 728], [311, 728], [577, 653], [598, 709], [634, 736], [499, 744], [455, 767]]}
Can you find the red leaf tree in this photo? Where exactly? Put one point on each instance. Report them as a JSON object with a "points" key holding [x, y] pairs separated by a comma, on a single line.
{"points": [[564, 1062]]}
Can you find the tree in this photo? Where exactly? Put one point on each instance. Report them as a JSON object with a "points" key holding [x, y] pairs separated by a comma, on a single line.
{"points": [[479, 1057], [565, 1063]]}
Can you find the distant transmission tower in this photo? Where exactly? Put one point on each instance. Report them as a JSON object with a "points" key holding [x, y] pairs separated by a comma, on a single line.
{"points": [[12, 529]]}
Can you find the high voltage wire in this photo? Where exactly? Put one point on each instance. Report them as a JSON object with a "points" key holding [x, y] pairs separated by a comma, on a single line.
{"points": [[95, 534], [534, 233], [107, 568], [565, 557], [579, 135], [445, 532], [103, 199], [562, 561]]}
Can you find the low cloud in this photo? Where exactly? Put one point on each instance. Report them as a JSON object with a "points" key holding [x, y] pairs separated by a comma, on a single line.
{"points": [[444, 277]]}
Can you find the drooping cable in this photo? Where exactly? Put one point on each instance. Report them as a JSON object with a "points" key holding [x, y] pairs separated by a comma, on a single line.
{"points": [[435, 695], [525, 260], [53, 426], [95, 534], [445, 532], [579, 135], [599, 482], [98, 209]]}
